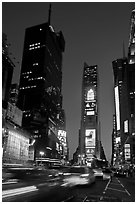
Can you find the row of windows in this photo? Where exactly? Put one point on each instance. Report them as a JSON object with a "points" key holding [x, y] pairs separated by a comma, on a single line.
{"points": [[31, 79], [28, 87], [32, 48], [26, 73], [32, 45]]}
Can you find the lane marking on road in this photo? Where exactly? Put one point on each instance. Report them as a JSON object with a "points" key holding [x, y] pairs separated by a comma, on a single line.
{"points": [[69, 198], [127, 192], [84, 199], [106, 187], [124, 187], [114, 189], [115, 183]]}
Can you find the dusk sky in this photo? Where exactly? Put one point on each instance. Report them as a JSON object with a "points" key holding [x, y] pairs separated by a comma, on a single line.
{"points": [[94, 33]]}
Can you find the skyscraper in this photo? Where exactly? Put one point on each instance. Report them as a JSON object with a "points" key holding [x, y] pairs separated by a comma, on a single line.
{"points": [[124, 87], [89, 134], [40, 87]]}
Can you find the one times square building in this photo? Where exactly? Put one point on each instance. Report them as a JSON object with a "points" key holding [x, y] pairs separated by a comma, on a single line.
{"points": [[40, 86], [89, 138]]}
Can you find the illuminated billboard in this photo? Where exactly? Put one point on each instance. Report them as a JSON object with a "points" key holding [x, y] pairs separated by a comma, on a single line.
{"points": [[90, 95], [117, 107], [89, 142], [90, 138], [127, 151], [90, 112], [14, 114], [117, 140], [90, 132], [62, 133], [90, 151], [125, 126]]}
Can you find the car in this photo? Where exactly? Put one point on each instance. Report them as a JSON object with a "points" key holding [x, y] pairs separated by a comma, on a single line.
{"points": [[107, 173], [98, 173], [78, 175], [21, 184], [120, 173]]}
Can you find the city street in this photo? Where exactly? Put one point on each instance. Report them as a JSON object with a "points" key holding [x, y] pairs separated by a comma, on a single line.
{"points": [[117, 190], [68, 102]]}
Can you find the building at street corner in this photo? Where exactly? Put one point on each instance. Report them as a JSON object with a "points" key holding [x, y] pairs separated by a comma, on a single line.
{"points": [[40, 88], [124, 89], [89, 131]]}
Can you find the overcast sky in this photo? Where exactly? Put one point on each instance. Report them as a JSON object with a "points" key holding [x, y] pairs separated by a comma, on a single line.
{"points": [[94, 33]]}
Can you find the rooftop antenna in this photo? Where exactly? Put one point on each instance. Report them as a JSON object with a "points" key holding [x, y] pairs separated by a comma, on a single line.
{"points": [[49, 16]]}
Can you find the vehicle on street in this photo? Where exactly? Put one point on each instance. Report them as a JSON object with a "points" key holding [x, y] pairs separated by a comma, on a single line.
{"points": [[33, 184], [120, 173], [98, 173], [79, 175], [107, 173]]}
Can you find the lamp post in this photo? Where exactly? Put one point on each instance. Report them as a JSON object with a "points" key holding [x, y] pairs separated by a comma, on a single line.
{"points": [[41, 154]]}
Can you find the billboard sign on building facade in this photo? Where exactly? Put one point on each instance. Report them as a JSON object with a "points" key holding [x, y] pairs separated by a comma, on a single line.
{"points": [[117, 107], [127, 151], [90, 137], [125, 126], [14, 114], [17, 146]]}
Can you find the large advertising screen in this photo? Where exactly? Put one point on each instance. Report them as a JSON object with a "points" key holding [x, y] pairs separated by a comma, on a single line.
{"points": [[90, 95], [127, 151], [90, 151], [117, 107], [90, 132], [14, 114], [62, 133], [90, 138], [125, 126]]}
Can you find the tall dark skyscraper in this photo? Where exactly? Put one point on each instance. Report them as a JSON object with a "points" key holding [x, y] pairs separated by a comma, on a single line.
{"points": [[41, 72], [40, 87], [89, 134]]}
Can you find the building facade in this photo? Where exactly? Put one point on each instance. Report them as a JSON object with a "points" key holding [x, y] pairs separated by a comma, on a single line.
{"points": [[131, 46], [40, 87], [7, 71], [89, 131], [124, 89]]}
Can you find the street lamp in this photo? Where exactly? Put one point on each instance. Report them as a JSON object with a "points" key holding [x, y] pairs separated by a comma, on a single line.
{"points": [[41, 154]]}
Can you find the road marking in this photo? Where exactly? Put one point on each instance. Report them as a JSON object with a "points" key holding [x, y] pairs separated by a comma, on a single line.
{"points": [[124, 187], [116, 190], [127, 192], [115, 183], [106, 188], [107, 185], [69, 198], [84, 199]]}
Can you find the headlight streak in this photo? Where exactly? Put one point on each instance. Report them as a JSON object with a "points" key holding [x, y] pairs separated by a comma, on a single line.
{"points": [[18, 191]]}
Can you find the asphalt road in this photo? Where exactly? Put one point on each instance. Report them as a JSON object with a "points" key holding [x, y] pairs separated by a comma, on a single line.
{"points": [[117, 190]]}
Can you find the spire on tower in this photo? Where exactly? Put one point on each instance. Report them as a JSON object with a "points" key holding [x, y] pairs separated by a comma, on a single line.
{"points": [[49, 16]]}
